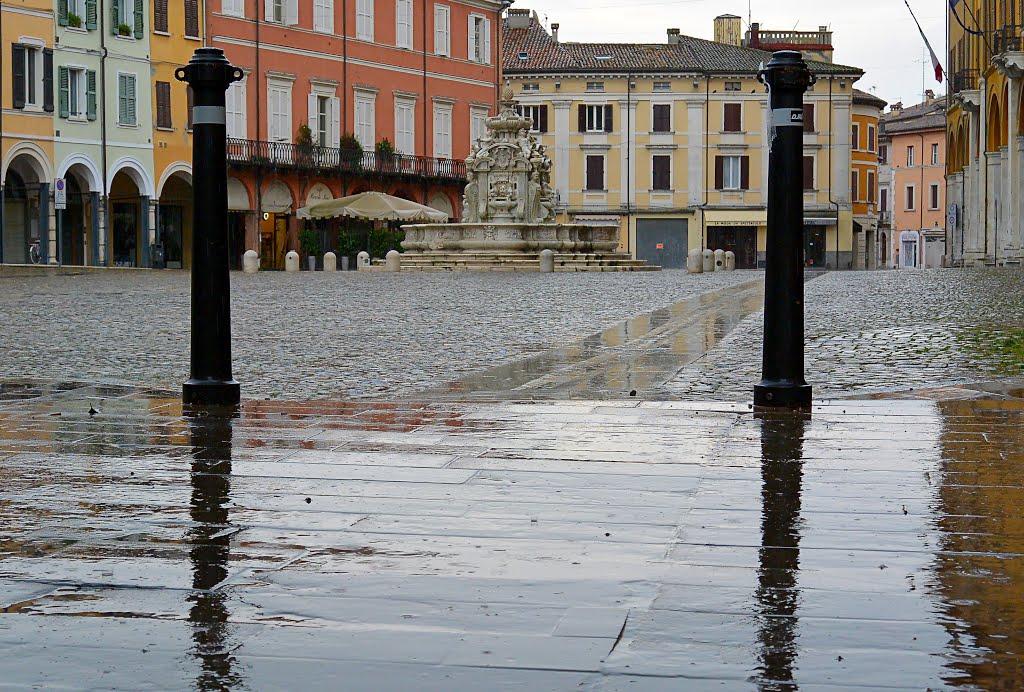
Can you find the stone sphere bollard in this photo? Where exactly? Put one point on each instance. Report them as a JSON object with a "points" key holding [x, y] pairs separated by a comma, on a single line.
{"points": [[708, 258], [250, 262], [719, 260], [330, 262], [393, 261], [291, 262], [547, 262], [363, 261], [695, 262], [730, 261]]}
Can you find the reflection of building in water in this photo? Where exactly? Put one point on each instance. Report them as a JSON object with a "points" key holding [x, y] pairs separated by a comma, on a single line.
{"points": [[778, 595], [978, 572]]}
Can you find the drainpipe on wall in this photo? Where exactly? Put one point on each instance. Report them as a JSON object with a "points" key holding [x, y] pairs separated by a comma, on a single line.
{"points": [[102, 101], [707, 154], [259, 120], [831, 202]]}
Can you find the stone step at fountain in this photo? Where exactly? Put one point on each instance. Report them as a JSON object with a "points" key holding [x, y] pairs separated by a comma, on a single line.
{"points": [[521, 262]]}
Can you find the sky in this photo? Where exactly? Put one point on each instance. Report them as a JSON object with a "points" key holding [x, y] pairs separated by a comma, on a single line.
{"points": [[877, 36]]}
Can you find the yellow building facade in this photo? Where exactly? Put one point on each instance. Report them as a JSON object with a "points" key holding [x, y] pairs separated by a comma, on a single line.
{"points": [[26, 130], [985, 126], [673, 149], [864, 190]]}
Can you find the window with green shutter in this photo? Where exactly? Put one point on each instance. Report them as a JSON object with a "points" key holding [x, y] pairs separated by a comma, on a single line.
{"points": [[91, 15], [62, 12], [139, 17], [126, 102], [90, 94], [63, 92]]}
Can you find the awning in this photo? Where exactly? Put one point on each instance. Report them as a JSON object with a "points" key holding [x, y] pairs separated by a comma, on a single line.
{"points": [[373, 206], [277, 199], [739, 217], [597, 220], [238, 198]]}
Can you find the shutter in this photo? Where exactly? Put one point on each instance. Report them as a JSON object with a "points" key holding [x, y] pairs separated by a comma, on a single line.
{"points": [[18, 75], [311, 111], [329, 16], [291, 12], [268, 10], [91, 15], [439, 33], [191, 17], [583, 118], [190, 100], [160, 15], [335, 122], [733, 117], [48, 80], [163, 104], [808, 172], [63, 92], [487, 41], [608, 111], [90, 94], [115, 15], [132, 102], [543, 119], [62, 12], [808, 117], [139, 17], [744, 172], [719, 172], [472, 37], [122, 98]]}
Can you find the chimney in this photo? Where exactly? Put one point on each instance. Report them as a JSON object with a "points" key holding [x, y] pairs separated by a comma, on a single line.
{"points": [[729, 30], [673, 36], [896, 107], [554, 31], [521, 19], [929, 95]]}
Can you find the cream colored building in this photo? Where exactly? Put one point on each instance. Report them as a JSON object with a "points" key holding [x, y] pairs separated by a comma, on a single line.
{"points": [[668, 142]]}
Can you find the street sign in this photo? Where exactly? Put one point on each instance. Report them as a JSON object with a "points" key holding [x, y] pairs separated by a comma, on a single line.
{"points": [[951, 217], [60, 194]]}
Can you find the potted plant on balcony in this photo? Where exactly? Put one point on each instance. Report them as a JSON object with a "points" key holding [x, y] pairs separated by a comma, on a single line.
{"points": [[124, 30], [309, 243], [74, 21], [386, 156], [351, 152], [304, 145]]}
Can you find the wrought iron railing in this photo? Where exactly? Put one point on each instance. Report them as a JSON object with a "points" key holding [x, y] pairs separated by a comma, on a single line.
{"points": [[965, 80], [249, 152], [763, 38], [1006, 39], [885, 218]]}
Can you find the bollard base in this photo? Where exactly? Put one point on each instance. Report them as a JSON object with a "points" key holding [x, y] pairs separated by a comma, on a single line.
{"points": [[780, 395], [211, 393]]}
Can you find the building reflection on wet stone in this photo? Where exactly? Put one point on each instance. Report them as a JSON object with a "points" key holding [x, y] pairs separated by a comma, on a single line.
{"points": [[210, 551], [778, 595]]}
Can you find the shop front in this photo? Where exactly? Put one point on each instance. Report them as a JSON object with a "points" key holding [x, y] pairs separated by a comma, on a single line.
{"points": [[741, 232]]}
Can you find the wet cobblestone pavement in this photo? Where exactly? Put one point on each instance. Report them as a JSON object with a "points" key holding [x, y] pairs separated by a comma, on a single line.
{"points": [[445, 545]]}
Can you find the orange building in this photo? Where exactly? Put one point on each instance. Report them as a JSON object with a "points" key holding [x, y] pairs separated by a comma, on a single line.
{"points": [[916, 138], [867, 109], [393, 92]]}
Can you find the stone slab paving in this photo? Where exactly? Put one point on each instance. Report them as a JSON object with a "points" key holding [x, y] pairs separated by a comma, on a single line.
{"points": [[450, 545]]}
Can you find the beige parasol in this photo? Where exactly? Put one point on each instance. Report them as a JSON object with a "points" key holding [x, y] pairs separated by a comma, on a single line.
{"points": [[374, 206]]}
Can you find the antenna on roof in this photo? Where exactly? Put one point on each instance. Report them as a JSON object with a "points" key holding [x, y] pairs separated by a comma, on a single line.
{"points": [[750, 13]]}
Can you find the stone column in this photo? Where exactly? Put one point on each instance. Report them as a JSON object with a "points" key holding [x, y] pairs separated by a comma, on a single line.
{"points": [[1012, 200], [981, 208], [695, 152], [252, 231], [562, 156], [44, 223], [148, 217], [94, 228], [629, 152]]}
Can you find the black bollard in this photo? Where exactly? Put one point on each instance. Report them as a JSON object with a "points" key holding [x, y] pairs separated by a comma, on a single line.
{"points": [[782, 374], [210, 382]]}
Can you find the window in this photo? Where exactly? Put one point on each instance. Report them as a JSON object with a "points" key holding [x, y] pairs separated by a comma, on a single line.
{"points": [[662, 173], [282, 11], [883, 201], [871, 187], [539, 116], [78, 14], [662, 117], [910, 198], [76, 100], [279, 110], [935, 154], [366, 119], [125, 13], [163, 105], [531, 86], [883, 154], [442, 30], [236, 109], [733, 117], [479, 39], [809, 117], [595, 173], [364, 20], [323, 16], [733, 86], [855, 186], [595, 118], [442, 130], [405, 126], [160, 16], [872, 138], [477, 124], [732, 172], [233, 8], [808, 173], [403, 23], [933, 196], [663, 86], [192, 18], [595, 86], [910, 156], [322, 126], [126, 100], [855, 137], [32, 72]]}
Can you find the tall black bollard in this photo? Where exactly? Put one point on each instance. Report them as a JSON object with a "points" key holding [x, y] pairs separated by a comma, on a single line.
{"points": [[210, 382], [782, 373]]}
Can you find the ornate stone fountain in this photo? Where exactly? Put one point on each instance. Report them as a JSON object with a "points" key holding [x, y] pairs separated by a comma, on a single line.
{"points": [[509, 213]]}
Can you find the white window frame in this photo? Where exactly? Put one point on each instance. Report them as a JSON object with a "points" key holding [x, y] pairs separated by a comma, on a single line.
{"points": [[283, 131], [235, 99], [77, 7], [126, 14], [76, 81], [405, 125], [935, 154], [936, 193], [477, 124], [33, 72], [135, 85], [443, 112], [872, 138], [732, 173], [595, 118], [662, 86], [233, 8], [595, 87], [532, 112], [855, 136], [365, 102], [442, 30], [586, 172], [479, 50], [855, 186], [289, 12], [403, 29], [364, 20], [671, 171], [913, 193], [323, 16], [910, 156]]}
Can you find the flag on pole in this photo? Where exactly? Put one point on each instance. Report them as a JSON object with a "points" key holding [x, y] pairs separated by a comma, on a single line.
{"points": [[936, 65]]}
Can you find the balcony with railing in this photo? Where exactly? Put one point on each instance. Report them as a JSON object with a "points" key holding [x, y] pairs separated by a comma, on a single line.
{"points": [[1007, 39], [327, 160], [885, 218], [965, 80], [777, 40]]}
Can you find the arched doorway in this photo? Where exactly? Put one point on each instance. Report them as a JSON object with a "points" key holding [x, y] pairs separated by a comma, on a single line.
{"points": [[24, 216], [80, 221], [239, 209], [127, 219], [995, 125], [174, 221], [441, 202], [278, 205]]}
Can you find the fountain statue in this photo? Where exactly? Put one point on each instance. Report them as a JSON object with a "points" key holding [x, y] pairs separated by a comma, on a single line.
{"points": [[508, 215]]}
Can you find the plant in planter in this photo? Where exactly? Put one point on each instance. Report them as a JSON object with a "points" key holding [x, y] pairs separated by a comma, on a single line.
{"points": [[304, 145], [351, 152], [309, 243], [74, 21], [124, 30], [386, 156]]}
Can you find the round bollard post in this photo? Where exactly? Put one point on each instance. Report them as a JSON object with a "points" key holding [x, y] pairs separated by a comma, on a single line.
{"points": [[719, 260], [547, 262], [730, 261], [695, 262], [782, 372], [708, 261], [250, 262], [210, 380], [344, 263], [393, 261], [363, 261], [291, 261], [330, 262]]}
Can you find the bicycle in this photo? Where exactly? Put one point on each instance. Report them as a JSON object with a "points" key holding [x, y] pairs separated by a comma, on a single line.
{"points": [[33, 252]]}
